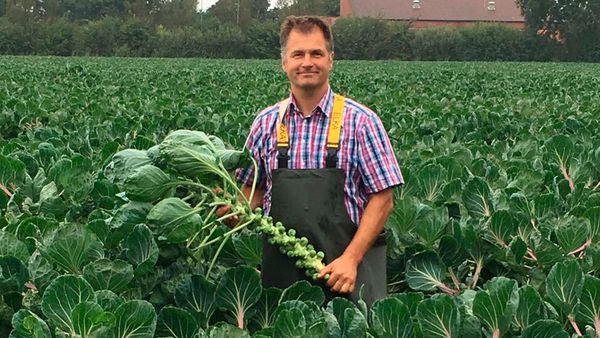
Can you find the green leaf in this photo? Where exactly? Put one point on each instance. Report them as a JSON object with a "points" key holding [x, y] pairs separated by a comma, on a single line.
{"points": [[439, 316], [197, 295], [226, 330], [124, 163], [589, 309], [531, 307], [290, 324], [105, 274], [593, 215], [141, 249], [351, 321], [478, 198], [391, 319], [431, 182], [88, 317], [431, 224], [545, 328], [61, 297], [571, 233], [304, 291], [496, 305], [404, 215], [502, 226], [265, 307], [11, 246], [108, 300], [12, 171], [148, 184], [564, 284], [425, 271], [73, 177], [124, 220], [135, 319], [232, 159], [174, 219], [71, 247], [176, 323], [27, 324], [239, 289], [249, 247], [13, 275], [560, 149]]}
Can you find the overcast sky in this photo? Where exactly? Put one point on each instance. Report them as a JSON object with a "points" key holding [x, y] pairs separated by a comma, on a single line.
{"points": [[205, 4]]}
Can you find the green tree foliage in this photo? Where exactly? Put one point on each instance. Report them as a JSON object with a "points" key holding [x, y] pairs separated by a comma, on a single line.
{"points": [[576, 23], [93, 9]]}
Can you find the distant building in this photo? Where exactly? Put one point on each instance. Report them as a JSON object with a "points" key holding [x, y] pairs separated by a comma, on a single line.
{"points": [[430, 13]]}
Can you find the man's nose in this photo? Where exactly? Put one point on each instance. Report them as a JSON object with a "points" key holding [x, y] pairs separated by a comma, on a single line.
{"points": [[307, 61]]}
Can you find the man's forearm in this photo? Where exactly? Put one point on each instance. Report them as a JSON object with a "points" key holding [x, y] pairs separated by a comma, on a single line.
{"points": [[376, 213], [257, 199]]}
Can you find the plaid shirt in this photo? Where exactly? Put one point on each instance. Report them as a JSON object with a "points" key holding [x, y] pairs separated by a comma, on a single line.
{"points": [[365, 152]]}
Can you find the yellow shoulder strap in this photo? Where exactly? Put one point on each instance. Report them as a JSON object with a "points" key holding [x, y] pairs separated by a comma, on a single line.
{"points": [[335, 125], [283, 139]]}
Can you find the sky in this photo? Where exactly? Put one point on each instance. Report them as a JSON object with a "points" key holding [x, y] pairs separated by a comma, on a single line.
{"points": [[205, 4]]}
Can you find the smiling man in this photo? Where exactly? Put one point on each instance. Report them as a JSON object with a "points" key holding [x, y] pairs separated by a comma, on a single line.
{"points": [[325, 168]]}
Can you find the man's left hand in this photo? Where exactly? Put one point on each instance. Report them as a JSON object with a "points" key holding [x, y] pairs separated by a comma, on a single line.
{"points": [[342, 274]]}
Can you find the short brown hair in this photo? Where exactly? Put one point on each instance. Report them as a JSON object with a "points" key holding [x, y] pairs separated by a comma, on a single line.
{"points": [[304, 24]]}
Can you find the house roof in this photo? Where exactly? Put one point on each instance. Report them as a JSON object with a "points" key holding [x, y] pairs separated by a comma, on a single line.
{"points": [[436, 10]]}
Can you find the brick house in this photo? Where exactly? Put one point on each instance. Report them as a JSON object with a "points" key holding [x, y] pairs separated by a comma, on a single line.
{"points": [[430, 13]]}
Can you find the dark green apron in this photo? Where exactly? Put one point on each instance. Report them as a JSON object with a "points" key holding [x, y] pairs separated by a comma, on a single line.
{"points": [[311, 201]]}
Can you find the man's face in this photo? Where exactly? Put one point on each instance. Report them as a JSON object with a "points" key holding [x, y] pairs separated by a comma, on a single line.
{"points": [[307, 62]]}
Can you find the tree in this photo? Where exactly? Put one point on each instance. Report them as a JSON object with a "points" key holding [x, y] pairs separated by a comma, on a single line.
{"points": [[574, 22], [2, 7], [93, 9]]}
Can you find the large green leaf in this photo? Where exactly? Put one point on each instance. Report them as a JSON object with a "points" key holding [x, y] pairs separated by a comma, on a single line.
{"points": [[13, 275], [589, 309], [124, 163], [496, 305], [265, 307], [404, 215], [249, 247], [531, 307], [62, 296], [198, 295], [431, 224], [560, 149], [27, 324], [478, 199], [71, 247], [571, 233], [290, 324], [439, 317], [141, 249], [11, 246], [545, 328], [239, 289], [124, 219], [134, 319], [226, 330], [174, 219], [88, 317], [431, 181], [304, 291], [564, 284], [73, 176], [391, 319], [176, 323], [148, 184], [425, 272], [105, 274], [351, 321], [502, 226], [593, 215]]}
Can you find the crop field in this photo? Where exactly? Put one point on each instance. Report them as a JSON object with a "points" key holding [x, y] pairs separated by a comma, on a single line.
{"points": [[496, 232]]}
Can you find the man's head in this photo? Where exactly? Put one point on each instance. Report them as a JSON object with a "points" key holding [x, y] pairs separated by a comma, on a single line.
{"points": [[306, 52]]}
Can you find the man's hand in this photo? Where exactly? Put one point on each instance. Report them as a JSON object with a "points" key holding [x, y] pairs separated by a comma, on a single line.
{"points": [[232, 221], [342, 274]]}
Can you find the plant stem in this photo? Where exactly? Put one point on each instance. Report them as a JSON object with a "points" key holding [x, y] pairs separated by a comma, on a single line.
{"points": [[225, 237], [478, 268], [565, 173], [6, 191], [574, 324], [496, 333], [454, 278], [581, 248], [596, 187], [253, 180]]}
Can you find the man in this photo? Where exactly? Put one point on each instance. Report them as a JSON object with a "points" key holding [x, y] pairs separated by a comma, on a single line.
{"points": [[325, 168]]}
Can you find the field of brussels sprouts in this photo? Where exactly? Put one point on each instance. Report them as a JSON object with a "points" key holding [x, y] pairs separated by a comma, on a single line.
{"points": [[495, 234]]}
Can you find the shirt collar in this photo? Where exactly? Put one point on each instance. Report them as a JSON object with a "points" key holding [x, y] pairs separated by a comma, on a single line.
{"points": [[325, 105]]}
